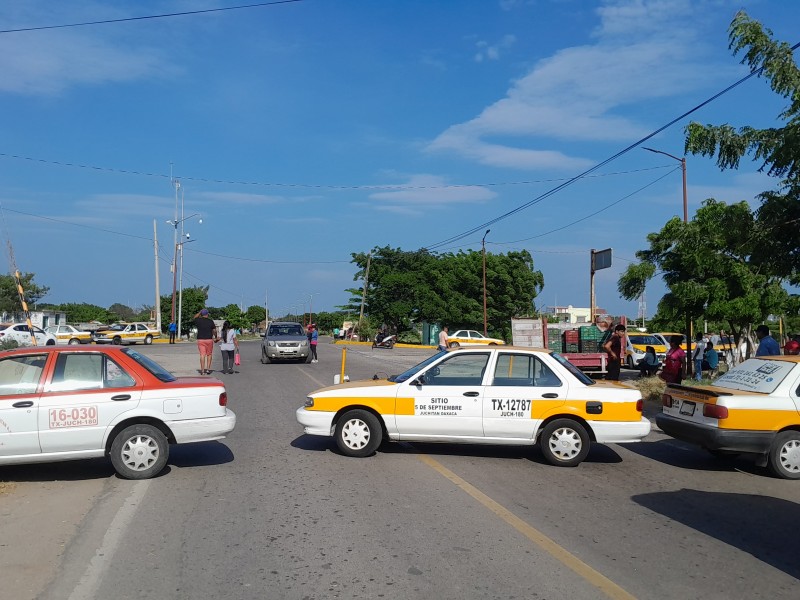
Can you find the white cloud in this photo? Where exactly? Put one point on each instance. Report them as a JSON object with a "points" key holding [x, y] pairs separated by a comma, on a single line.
{"points": [[488, 51], [237, 198], [425, 192], [641, 54]]}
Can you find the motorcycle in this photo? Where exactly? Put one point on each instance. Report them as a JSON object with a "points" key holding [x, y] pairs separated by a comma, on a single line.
{"points": [[385, 341]]}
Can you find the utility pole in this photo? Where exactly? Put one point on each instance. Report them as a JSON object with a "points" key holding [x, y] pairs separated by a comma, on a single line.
{"points": [[364, 293], [158, 296], [483, 247]]}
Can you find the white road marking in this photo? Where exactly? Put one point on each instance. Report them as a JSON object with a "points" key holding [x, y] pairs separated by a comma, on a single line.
{"points": [[87, 587]]}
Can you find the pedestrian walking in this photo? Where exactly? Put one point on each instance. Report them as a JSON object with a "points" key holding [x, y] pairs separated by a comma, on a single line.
{"points": [[173, 329], [229, 346], [443, 339], [313, 339], [613, 348], [206, 337]]}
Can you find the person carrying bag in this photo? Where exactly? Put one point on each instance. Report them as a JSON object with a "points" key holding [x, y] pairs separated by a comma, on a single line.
{"points": [[229, 346]]}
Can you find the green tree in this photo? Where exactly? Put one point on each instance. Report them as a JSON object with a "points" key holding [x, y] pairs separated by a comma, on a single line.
{"points": [[255, 314], [194, 299], [777, 148], [233, 314], [84, 313], [122, 312], [708, 269], [9, 295]]}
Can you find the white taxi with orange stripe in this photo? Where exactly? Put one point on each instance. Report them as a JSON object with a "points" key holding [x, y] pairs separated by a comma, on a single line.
{"points": [[752, 409], [498, 395]]}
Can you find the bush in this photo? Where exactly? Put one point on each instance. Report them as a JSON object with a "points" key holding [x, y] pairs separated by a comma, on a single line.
{"points": [[9, 344]]}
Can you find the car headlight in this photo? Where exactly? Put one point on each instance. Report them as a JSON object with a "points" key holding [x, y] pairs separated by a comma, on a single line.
{"points": [[309, 402], [304, 343], [270, 343]]}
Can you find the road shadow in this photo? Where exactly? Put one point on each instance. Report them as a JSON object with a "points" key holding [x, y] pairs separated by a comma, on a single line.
{"points": [[598, 453], [762, 526], [199, 454], [72, 470], [685, 456]]}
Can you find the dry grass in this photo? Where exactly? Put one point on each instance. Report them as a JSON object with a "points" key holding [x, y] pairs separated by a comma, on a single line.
{"points": [[5, 487], [653, 387]]}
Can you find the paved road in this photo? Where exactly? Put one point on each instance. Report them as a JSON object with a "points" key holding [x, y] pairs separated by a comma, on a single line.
{"points": [[271, 513]]}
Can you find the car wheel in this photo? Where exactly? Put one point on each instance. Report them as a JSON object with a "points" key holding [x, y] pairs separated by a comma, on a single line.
{"points": [[74, 342], [630, 362], [139, 452], [264, 357], [784, 455], [358, 433], [454, 344], [117, 340], [493, 343], [564, 443], [50, 343], [148, 340]]}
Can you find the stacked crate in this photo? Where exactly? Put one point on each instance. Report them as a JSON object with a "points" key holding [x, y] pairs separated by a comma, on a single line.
{"points": [[554, 341], [571, 341], [590, 337]]}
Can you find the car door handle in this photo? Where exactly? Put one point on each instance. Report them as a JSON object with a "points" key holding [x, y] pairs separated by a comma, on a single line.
{"points": [[550, 395], [121, 397], [23, 404], [472, 394]]}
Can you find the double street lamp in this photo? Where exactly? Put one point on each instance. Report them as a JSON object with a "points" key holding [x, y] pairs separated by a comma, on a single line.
{"points": [[184, 237]]}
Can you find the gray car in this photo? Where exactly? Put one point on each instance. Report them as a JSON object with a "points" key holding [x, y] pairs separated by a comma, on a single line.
{"points": [[285, 341]]}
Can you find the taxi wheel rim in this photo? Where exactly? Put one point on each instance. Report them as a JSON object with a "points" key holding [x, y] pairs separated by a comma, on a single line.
{"points": [[565, 443], [140, 452], [356, 434], [790, 456]]}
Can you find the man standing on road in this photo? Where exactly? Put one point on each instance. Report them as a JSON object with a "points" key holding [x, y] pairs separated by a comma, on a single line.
{"points": [[613, 348], [206, 336], [443, 339], [767, 346], [173, 328]]}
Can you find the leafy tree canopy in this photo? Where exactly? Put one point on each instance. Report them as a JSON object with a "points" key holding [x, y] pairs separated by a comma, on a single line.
{"points": [[9, 295]]}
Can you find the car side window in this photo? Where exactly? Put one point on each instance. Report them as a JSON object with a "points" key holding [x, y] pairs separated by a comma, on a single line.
{"points": [[21, 374], [523, 370], [87, 372], [459, 369]]}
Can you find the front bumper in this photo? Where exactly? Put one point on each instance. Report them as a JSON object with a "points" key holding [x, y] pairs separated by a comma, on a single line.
{"points": [[203, 430], [283, 353], [714, 438], [315, 422]]}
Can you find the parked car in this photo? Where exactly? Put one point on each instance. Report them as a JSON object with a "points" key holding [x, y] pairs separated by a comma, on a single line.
{"points": [[470, 337], [636, 347], [22, 334], [752, 409], [665, 337], [69, 402], [285, 341], [490, 395], [127, 333], [67, 334]]}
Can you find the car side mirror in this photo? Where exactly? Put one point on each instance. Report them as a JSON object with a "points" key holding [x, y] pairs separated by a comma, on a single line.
{"points": [[419, 381]]}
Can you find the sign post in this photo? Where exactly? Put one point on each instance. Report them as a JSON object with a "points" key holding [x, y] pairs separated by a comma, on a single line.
{"points": [[599, 259]]}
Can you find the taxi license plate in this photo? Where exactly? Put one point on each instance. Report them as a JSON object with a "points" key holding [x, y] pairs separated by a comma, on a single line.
{"points": [[687, 408]]}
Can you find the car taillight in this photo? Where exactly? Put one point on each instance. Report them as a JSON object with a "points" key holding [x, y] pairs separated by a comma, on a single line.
{"points": [[639, 404], [666, 400], [223, 399], [714, 411]]}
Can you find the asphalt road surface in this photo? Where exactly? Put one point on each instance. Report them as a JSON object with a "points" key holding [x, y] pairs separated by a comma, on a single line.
{"points": [[271, 513]]}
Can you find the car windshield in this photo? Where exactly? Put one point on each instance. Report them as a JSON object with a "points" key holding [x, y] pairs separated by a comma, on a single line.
{"points": [[576, 372], [148, 363], [756, 375], [280, 330], [406, 375], [645, 340]]}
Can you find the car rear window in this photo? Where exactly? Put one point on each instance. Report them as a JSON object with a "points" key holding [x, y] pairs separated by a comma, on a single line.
{"points": [[148, 363], [756, 375]]}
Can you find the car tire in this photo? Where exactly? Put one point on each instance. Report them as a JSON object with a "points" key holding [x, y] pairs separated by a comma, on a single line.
{"points": [[50, 343], [454, 344], [630, 363], [564, 443], [73, 342], [784, 455], [264, 358], [139, 452], [358, 433], [117, 340], [148, 339]]}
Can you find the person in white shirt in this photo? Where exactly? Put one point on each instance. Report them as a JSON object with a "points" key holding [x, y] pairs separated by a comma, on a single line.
{"points": [[443, 339]]}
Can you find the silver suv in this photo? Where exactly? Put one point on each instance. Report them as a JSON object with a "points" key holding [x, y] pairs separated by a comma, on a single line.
{"points": [[285, 341]]}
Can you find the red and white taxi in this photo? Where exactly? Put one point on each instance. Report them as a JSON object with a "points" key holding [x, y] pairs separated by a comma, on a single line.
{"points": [[752, 409], [490, 395], [72, 402]]}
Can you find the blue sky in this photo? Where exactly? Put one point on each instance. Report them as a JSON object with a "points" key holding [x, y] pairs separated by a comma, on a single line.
{"points": [[305, 131]]}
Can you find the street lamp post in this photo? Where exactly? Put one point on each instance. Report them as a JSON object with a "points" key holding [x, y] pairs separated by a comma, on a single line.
{"points": [[483, 248], [179, 247], [689, 362]]}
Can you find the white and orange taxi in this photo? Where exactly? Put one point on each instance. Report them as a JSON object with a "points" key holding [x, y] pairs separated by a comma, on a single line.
{"points": [[470, 337], [490, 395], [752, 409], [72, 402]]}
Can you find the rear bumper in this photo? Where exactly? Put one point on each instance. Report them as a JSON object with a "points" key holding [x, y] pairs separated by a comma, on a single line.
{"points": [[315, 422], [620, 432], [714, 438], [203, 430]]}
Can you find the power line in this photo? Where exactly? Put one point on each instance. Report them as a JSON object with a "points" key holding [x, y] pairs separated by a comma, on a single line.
{"points": [[147, 17], [572, 180]]}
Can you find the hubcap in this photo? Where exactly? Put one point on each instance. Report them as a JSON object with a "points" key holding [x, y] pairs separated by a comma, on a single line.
{"points": [[140, 452], [355, 434], [565, 443], [790, 456]]}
